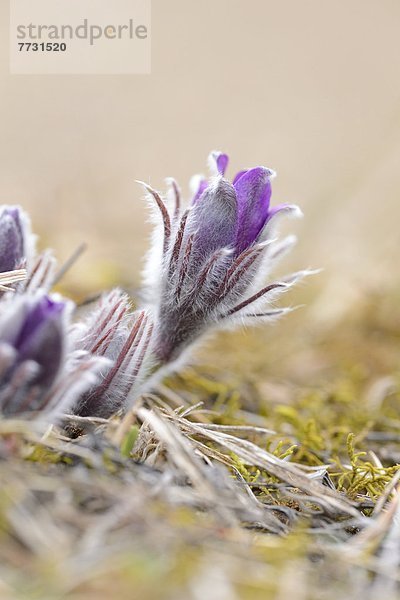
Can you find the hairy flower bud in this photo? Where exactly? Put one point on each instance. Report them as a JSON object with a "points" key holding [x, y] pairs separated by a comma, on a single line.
{"points": [[15, 238], [211, 257], [113, 332]]}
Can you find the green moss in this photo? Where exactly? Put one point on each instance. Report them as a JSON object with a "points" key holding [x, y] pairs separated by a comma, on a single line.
{"points": [[361, 476], [44, 455], [129, 441]]}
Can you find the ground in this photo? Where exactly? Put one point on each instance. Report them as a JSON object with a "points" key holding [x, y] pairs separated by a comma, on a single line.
{"points": [[266, 468]]}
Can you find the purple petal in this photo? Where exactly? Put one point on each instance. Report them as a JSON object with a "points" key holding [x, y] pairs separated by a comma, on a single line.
{"points": [[253, 190], [41, 339], [221, 161], [45, 347], [45, 310], [214, 219], [238, 176]]}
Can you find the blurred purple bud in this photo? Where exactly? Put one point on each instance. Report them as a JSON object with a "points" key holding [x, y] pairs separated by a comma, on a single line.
{"points": [[41, 338], [12, 239], [32, 327]]}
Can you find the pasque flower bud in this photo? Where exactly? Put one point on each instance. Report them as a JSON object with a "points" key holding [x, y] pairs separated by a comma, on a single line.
{"points": [[206, 266], [15, 238], [32, 348]]}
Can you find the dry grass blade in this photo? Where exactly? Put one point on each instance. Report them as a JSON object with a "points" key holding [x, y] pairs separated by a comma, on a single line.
{"points": [[9, 277], [292, 474], [213, 489]]}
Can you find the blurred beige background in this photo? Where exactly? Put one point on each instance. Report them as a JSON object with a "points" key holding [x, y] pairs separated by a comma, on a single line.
{"points": [[310, 88]]}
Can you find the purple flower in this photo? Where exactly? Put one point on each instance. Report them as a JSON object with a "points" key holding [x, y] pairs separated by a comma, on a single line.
{"points": [[31, 350], [42, 371], [208, 262], [250, 194], [48, 368], [14, 238]]}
